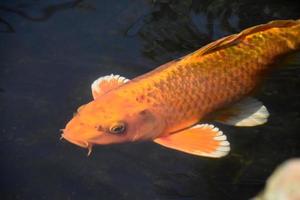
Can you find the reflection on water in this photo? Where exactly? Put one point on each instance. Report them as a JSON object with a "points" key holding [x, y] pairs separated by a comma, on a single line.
{"points": [[26, 10], [59, 47]]}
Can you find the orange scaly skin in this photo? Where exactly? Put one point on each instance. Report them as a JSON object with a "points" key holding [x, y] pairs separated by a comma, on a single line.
{"points": [[185, 91], [174, 97]]}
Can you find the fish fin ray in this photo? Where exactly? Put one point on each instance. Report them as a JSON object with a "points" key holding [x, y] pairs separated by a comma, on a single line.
{"points": [[248, 112], [236, 38], [201, 140], [107, 83]]}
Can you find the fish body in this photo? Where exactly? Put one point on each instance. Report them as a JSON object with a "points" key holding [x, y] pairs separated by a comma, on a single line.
{"points": [[188, 89], [166, 104]]}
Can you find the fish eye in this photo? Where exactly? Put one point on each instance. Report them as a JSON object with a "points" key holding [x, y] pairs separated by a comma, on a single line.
{"points": [[118, 128]]}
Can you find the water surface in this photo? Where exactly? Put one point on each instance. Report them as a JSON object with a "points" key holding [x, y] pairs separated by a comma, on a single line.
{"points": [[51, 51]]}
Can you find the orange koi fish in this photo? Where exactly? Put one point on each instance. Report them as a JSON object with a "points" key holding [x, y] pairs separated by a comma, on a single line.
{"points": [[167, 105]]}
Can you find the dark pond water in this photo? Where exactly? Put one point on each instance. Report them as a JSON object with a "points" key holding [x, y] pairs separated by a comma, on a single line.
{"points": [[51, 51]]}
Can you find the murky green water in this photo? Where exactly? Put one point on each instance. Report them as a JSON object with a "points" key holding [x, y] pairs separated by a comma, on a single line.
{"points": [[51, 51]]}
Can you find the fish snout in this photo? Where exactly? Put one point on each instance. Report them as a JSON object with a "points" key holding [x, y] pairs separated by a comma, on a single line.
{"points": [[75, 141]]}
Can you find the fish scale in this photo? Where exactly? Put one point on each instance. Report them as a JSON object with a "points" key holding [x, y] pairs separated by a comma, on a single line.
{"points": [[186, 90]]}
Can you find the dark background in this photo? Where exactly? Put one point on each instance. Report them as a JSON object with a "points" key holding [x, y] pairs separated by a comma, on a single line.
{"points": [[51, 51]]}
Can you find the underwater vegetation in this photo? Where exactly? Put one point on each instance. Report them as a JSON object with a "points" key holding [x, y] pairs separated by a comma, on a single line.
{"points": [[51, 52]]}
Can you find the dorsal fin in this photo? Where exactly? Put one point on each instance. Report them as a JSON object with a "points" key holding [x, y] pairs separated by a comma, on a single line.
{"points": [[105, 84], [236, 38]]}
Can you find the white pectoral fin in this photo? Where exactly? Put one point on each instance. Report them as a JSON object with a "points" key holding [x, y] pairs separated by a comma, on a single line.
{"points": [[201, 140], [106, 83], [248, 112]]}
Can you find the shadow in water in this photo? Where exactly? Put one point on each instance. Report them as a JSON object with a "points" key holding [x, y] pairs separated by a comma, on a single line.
{"points": [[7, 27], [175, 27]]}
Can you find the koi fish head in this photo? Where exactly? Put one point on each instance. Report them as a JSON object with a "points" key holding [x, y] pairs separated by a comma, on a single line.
{"points": [[109, 120]]}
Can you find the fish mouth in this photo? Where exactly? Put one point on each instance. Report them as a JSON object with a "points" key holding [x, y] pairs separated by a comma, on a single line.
{"points": [[83, 144], [80, 143]]}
